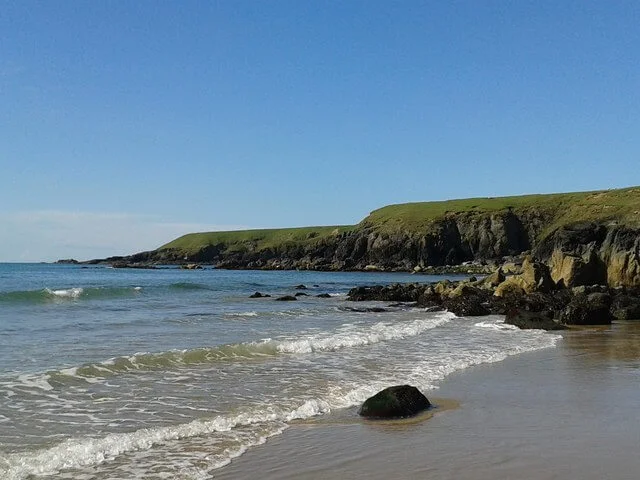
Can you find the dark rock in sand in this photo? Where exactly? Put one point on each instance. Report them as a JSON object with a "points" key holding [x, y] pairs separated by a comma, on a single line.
{"points": [[532, 320], [395, 402], [286, 298], [323, 295], [259, 295], [592, 309]]}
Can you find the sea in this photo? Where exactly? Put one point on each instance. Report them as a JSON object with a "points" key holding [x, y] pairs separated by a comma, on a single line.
{"points": [[170, 373]]}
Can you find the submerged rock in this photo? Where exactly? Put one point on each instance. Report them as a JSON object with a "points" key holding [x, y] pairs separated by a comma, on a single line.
{"points": [[259, 295], [395, 402], [301, 294], [363, 309], [286, 298], [323, 295], [300, 287]]}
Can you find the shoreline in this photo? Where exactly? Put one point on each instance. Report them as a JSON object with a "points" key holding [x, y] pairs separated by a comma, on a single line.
{"points": [[564, 412]]}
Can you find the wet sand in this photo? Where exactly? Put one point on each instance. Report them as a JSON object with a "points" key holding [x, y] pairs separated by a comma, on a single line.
{"points": [[568, 412]]}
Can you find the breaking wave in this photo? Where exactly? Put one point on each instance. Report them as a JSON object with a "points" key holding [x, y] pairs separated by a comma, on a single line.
{"points": [[73, 293]]}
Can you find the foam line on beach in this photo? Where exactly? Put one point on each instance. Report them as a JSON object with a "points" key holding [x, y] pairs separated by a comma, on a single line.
{"points": [[264, 420]]}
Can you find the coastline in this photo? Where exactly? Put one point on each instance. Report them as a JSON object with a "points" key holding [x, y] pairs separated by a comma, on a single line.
{"points": [[564, 412]]}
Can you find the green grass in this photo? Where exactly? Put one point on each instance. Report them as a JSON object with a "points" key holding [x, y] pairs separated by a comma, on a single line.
{"points": [[622, 205], [561, 209], [255, 239]]}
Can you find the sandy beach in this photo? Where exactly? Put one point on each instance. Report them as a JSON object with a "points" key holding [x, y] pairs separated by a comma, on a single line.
{"points": [[564, 412]]}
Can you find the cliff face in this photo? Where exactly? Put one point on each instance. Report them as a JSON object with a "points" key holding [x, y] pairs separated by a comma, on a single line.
{"points": [[449, 241], [586, 238], [589, 254]]}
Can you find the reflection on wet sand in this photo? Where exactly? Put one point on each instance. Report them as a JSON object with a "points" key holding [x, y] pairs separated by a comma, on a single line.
{"points": [[619, 342]]}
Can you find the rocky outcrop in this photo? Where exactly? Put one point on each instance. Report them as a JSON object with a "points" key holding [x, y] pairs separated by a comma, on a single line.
{"points": [[542, 308], [535, 277], [589, 254], [395, 402], [67, 261]]}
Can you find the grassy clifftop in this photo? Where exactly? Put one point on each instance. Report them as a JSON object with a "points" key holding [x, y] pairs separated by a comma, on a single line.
{"points": [[622, 205], [260, 239], [563, 208]]}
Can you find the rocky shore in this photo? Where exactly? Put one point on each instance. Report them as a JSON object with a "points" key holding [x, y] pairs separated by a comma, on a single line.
{"points": [[527, 295]]}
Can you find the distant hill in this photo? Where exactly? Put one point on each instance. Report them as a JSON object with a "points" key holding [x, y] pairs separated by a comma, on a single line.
{"points": [[416, 235]]}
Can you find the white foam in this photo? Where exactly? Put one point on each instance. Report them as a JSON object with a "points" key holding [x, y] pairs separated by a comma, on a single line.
{"points": [[359, 335], [82, 452], [497, 326], [35, 381], [68, 293], [243, 314]]}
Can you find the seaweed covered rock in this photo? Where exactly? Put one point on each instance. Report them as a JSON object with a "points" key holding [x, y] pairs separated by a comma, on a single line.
{"points": [[392, 293], [626, 307], [592, 309], [395, 402], [470, 305], [525, 320]]}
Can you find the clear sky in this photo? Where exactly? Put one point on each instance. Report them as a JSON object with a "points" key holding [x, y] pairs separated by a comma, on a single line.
{"points": [[125, 124]]}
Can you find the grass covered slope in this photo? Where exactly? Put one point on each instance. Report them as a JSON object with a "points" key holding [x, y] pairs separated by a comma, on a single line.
{"points": [[257, 239], [621, 205], [426, 233]]}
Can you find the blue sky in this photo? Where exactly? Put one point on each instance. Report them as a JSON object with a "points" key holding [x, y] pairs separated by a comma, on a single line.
{"points": [[126, 124]]}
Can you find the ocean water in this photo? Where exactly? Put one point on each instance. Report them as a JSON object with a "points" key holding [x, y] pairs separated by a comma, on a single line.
{"points": [[114, 373]]}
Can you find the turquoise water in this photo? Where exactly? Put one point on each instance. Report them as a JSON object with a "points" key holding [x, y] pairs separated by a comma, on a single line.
{"points": [[118, 373]]}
